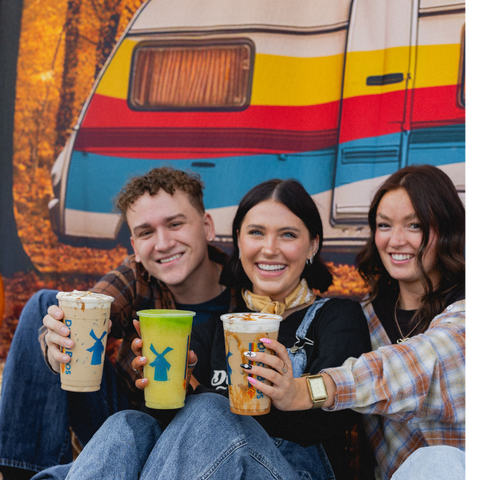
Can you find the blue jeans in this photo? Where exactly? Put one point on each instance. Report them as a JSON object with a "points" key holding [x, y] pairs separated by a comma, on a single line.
{"points": [[35, 413], [438, 462], [204, 441]]}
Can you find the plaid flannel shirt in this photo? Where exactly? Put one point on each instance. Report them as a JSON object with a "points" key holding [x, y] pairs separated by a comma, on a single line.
{"points": [[413, 393], [133, 289]]}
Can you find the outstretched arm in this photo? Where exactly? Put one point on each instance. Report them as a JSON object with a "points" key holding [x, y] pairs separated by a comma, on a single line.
{"points": [[423, 378]]}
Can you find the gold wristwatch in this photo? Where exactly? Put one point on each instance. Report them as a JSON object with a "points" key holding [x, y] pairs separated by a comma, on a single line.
{"points": [[317, 390]]}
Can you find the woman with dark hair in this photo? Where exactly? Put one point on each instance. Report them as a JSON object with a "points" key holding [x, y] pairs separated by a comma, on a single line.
{"points": [[275, 266], [412, 385], [291, 194]]}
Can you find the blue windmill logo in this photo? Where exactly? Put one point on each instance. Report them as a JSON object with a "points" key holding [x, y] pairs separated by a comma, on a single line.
{"points": [[229, 368], [97, 348], [160, 364]]}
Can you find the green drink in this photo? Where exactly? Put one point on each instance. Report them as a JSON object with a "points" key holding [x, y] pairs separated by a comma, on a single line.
{"points": [[166, 342]]}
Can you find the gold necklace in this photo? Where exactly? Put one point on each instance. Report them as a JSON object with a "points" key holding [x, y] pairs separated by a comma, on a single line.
{"points": [[407, 336]]}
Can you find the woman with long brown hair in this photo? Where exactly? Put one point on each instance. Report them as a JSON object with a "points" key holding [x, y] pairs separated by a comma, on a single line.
{"points": [[412, 385]]}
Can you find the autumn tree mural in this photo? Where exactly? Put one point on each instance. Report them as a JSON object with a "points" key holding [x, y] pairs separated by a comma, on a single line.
{"points": [[61, 47]]}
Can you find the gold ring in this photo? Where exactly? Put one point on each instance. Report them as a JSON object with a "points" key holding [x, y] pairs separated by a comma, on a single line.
{"points": [[284, 370]]}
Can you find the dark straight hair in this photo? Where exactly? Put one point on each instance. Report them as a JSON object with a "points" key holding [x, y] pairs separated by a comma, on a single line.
{"points": [[293, 195], [438, 206]]}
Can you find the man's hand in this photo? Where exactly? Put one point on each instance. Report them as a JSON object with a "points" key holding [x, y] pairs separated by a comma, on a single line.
{"points": [[57, 337], [139, 361]]}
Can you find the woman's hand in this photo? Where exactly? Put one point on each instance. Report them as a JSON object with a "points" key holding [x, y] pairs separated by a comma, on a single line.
{"points": [[286, 392], [140, 361]]}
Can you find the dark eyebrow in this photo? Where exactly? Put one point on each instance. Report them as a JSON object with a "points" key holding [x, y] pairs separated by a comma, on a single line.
{"points": [[411, 216], [261, 227], [141, 227], [175, 217], [165, 220]]}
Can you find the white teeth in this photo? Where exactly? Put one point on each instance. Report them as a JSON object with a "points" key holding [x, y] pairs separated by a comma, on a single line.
{"points": [[263, 266], [174, 257], [400, 257]]}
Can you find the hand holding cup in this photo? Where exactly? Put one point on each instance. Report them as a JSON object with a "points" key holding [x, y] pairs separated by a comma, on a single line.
{"points": [[87, 316], [140, 361]]}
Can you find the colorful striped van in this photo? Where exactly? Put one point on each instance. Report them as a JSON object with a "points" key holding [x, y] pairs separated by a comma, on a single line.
{"points": [[335, 93]]}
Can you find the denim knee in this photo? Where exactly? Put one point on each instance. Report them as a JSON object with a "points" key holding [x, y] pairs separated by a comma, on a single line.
{"points": [[436, 462]]}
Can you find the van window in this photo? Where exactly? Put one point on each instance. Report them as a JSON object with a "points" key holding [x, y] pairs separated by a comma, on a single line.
{"points": [[191, 77], [470, 96]]}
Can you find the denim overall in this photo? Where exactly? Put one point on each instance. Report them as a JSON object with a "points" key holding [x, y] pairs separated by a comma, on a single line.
{"points": [[297, 354], [308, 462]]}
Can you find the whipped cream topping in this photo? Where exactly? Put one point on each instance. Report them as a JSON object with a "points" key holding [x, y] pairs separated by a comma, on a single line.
{"points": [[89, 299], [251, 322]]}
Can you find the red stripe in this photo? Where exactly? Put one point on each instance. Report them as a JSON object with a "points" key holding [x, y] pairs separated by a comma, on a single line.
{"points": [[371, 116], [376, 115], [107, 112], [110, 127], [169, 143], [436, 106]]}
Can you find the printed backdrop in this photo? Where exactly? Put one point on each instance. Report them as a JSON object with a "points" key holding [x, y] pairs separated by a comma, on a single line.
{"points": [[337, 94]]}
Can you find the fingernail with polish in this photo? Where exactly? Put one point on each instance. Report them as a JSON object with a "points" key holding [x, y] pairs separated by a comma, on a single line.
{"points": [[266, 340], [246, 366], [252, 380], [142, 359], [250, 354]]}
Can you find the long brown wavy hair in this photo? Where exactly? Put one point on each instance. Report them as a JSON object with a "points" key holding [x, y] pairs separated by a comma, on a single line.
{"points": [[438, 206]]}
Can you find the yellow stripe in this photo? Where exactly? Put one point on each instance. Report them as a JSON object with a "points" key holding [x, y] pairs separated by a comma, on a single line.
{"points": [[279, 80], [114, 82], [361, 65], [437, 65]]}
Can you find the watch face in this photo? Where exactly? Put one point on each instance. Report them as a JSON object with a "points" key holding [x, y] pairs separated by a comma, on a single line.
{"points": [[318, 388]]}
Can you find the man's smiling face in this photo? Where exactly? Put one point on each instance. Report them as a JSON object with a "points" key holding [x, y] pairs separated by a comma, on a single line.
{"points": [[169, 236]]}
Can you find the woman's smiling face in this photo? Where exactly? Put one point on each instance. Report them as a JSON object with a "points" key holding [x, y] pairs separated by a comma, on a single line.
{"points": [[274, 245], [398, 237]]}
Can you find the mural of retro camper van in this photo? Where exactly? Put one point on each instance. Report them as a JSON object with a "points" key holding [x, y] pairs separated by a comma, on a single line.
{"points": [[335, 93]]}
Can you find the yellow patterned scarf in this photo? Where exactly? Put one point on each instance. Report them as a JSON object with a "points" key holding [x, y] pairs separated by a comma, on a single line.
{"points": [[258, 303]]}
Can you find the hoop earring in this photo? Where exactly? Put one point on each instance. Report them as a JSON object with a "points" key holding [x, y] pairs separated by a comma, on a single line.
{"points": [[309, 261]]}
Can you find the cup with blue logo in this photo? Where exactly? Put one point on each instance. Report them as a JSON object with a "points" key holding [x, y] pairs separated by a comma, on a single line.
{"points": [[243, 332], [166, 342], [87, 315]]}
